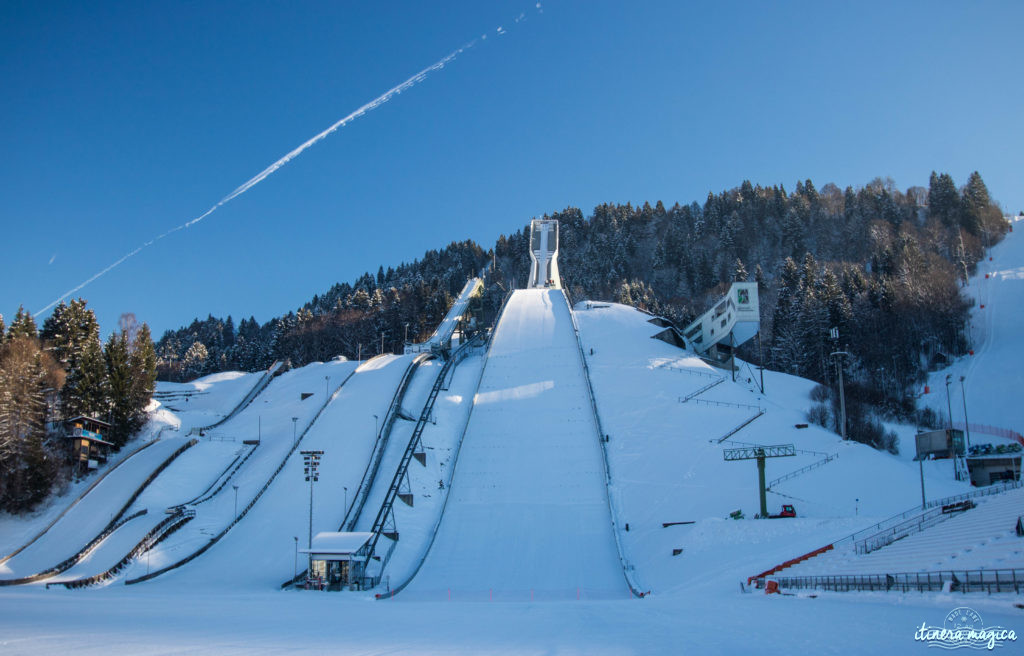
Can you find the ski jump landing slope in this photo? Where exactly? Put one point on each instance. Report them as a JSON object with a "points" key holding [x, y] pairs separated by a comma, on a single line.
{"points": [[527, 517]]}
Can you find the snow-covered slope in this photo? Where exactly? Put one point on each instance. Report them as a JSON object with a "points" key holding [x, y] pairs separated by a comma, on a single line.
{"points": [[527, 515], [994, 375], [667, 463]]}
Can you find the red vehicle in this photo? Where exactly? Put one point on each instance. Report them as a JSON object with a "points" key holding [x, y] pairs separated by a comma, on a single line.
{"points": [[787, 511]]}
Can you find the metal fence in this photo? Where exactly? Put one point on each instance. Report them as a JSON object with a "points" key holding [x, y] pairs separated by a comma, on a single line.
{"points": [[978, 580]]}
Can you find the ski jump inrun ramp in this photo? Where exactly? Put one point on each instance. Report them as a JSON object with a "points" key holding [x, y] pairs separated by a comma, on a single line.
{"points": [[527, 516]]}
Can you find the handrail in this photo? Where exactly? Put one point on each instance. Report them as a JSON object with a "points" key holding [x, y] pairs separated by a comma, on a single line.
{"points": [[686, 370], [455, 457], [908, 527], [81, 496], [880, 527], [389, 499], [214, 540], [743, 424], [803, 470], [626, 566], [945, 501], [692, 395], [260, 385], [414, 441], [984, 492], [380, 444]]}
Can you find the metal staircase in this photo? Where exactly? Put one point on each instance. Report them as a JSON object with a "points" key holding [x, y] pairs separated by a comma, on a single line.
{"points": [[384, 524], [370, 474]]}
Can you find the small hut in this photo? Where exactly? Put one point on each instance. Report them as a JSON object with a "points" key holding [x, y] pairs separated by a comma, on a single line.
{"points": [[337, 560], [88, 448]]}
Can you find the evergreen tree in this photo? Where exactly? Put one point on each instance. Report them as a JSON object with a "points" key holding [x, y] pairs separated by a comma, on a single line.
{"points": [[740, 272], [194, 360], [142, 368], [976, 204], [68, 334], [86, 392], [943, 199], [27, 375], [24, 325], [119, 386]]}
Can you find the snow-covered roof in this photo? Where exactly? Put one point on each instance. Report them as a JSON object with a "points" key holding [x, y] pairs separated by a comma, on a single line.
{"points": [[83, 418], [329, 542]]}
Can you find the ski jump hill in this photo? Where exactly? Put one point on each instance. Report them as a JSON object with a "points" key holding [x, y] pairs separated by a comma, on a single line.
{"points": [[527, 516]]}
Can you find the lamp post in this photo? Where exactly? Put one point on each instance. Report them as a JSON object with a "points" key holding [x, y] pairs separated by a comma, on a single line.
{"points": [[236, 499], [949, 432], [949, 406], [296, 569], [346, 499], [838, 355], [295, 421], [406, 332], [967, 424], [920, 464], [327, 386], [376, 424], [311, 468], [382, 342]]}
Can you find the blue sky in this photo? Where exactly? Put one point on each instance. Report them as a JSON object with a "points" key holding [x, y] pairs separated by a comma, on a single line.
{"points": [[120, 121]]}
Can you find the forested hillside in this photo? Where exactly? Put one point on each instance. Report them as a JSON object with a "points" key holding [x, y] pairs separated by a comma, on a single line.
{"points": [[883, 265], [371, 315], [61, 372]]}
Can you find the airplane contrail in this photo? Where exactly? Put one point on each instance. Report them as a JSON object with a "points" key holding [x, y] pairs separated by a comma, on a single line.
{"points": [[265, 173]]}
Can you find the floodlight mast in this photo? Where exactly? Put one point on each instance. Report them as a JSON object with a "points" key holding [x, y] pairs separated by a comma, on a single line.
{"points": [[311, 469]]}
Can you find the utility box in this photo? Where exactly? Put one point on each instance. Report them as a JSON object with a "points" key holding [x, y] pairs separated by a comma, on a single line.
{"points": [[943, 443]]}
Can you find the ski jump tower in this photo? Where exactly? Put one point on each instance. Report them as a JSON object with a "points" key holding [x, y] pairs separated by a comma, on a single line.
{"points": [[544, 254]]}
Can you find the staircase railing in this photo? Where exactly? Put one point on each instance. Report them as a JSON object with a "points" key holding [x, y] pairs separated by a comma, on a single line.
{"points": [[803, 470], [414, 441], [353, 512], [455, 458], [691, 395], [746, 422]]}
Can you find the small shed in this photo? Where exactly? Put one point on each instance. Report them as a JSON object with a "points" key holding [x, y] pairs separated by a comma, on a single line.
{"points": [[88, 448], [942, 443], [337, 560], [986, 470]]}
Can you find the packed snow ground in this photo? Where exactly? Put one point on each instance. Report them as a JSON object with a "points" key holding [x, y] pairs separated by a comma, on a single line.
{"points": [[666, 465]]}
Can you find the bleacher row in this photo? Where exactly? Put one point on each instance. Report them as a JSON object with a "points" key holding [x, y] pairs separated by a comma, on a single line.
{"points": [[984, 537]]}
